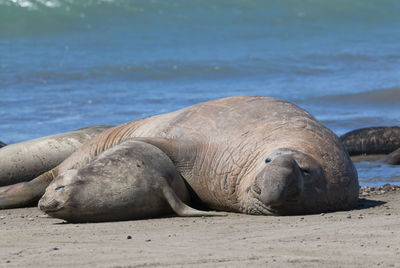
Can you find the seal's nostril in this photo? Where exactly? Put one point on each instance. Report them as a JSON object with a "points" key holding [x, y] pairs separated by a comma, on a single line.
{"points": [[268, 160], [59, 187]]}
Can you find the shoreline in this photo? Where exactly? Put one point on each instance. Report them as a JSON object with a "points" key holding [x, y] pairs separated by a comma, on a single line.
{"points": [[364, 237], [378, 190]]}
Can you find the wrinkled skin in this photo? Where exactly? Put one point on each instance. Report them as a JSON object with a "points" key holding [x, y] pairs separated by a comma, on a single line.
{"points": [[246, 154]]}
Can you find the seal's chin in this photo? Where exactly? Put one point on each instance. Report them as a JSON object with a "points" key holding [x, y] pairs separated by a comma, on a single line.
{"points": [[257, 207], [52, 212]]}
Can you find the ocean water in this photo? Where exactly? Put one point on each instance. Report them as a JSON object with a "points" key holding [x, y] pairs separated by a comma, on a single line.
{"points": [[66, 64]]}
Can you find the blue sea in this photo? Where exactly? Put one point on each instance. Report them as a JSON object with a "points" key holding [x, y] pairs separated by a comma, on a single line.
{"points": [[66, 64]]}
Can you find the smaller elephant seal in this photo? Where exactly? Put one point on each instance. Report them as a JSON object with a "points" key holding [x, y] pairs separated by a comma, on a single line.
{"points": [[373, 142], [132, 180], [2, 144]]}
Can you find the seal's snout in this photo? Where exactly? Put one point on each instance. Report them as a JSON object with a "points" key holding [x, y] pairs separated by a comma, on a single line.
{"points": [[280, 182], [49, 205]]}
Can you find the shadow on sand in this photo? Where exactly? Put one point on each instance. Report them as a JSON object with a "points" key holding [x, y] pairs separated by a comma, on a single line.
{"points": [[367, 203]]}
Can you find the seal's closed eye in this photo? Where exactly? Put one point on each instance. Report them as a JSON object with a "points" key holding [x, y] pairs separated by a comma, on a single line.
{"points": [[305, 171], [60, 187]]}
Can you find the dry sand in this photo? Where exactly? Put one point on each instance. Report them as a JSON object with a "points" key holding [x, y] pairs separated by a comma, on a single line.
{"points": [[366, 237]]}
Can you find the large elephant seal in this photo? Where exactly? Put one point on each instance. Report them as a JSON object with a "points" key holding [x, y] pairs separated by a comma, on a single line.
{"points": [[132, 180], [246, 154], [372, 142], [27, 160]]}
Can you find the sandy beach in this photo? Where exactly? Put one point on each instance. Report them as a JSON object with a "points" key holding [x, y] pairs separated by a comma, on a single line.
{"points": [[71, 64], [365, 237]]}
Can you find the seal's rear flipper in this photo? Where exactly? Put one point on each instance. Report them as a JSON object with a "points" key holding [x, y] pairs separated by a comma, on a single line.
{"points": [[24, 193], [182, 209]]}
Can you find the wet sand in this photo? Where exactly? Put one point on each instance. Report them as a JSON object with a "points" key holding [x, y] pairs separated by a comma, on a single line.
{"points": [[365, 237]]}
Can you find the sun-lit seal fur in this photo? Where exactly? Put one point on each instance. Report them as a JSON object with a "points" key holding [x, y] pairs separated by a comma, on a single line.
{"points": [[247, 154]]}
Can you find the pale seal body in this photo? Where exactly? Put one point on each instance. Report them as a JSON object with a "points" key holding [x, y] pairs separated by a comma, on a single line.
{"points": [[26, 160], [246, 154], [131, 180]]}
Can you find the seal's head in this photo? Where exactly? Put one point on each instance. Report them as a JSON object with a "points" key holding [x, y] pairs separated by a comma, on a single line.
{"points": [[88, 194], [82, 195], [289, 182], [57, 198]]}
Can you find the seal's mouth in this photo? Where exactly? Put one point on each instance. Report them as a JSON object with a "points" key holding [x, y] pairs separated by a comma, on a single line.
{"points": [[51, 206], [49, 211], [257, 207]]}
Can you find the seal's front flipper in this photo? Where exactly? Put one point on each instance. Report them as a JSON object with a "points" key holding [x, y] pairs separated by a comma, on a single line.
{"points": [[24, 193], [177, 153], [182, 209]]}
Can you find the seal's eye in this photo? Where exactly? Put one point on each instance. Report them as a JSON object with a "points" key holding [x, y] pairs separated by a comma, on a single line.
{"points": [[60, 187], [305, 171], [268, 160]]}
